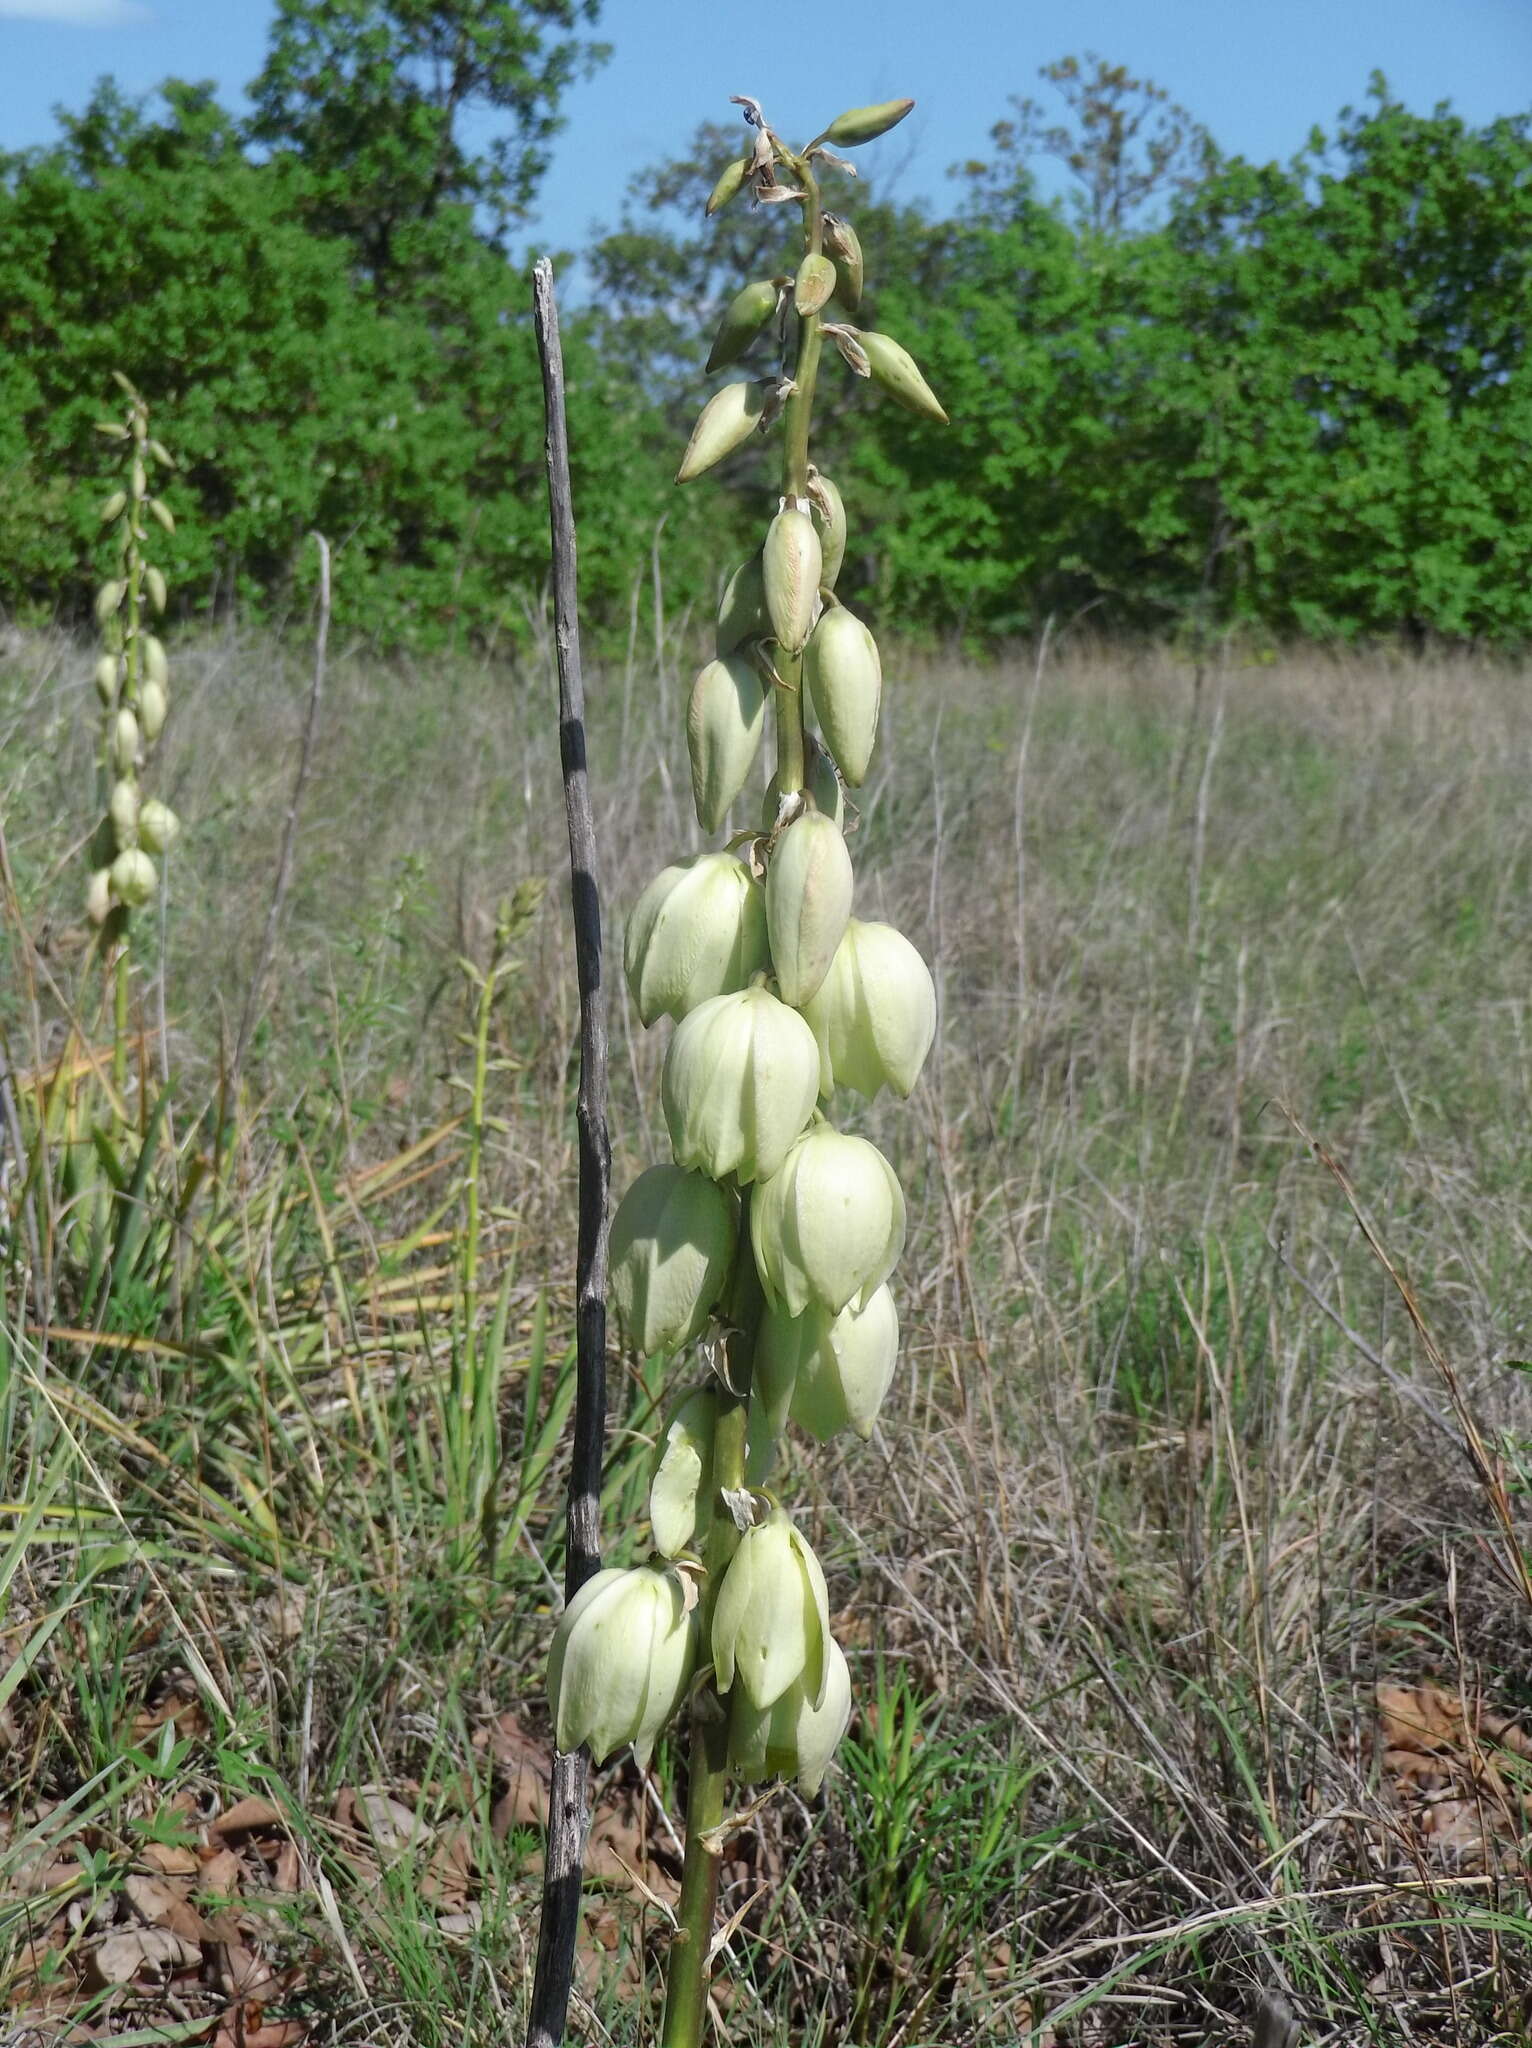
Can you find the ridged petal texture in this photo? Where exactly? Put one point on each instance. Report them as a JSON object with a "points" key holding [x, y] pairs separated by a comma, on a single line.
{"points": [[771, 1620], [742, 611], [829, 1372], [622, 1657], [814, 284], [725, 718], [845, 684], [729, 417], [740, 1082], [697, 931], [829, 1227], [899, 374], [744, 317], [672, 1246], [793, 1738], [808, 903], [682, 1482], [828, 511], [791, 561], [874, 1014]]}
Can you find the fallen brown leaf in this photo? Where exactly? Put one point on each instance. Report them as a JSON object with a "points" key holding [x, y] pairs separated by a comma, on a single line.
{"points": [[155, 1953], [249, 1817], [220, 1874], [160, 1904], [170, 1859]]}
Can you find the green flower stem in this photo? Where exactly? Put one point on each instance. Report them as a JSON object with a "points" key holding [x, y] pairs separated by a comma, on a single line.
{"points": [[687, 1978], [791, 752], [687, 1981]]}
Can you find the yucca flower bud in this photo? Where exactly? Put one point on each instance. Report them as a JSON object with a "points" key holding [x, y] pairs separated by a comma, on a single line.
{"points": [[122, 808], [865, 124], [845, 683], [828, 511], [725, 718], [897, 371], [158, 826], [793, 1738], [154, 583], [771, 1617], [820, 783], [740, 1082], [744, 317], [622, 1658], [98, 896], [111, 507], [845, 250], [133, 877], [730, 179], [729, 417], [697, 931], [828, 1372], [814, 283], [791, 562], [828, 1227], [808, 903], [874, 1014], [106, 680], [156, 667], [742, 614], [124, 742], [672, 1244], [108, 598], [152, 707], [681, 1489]]}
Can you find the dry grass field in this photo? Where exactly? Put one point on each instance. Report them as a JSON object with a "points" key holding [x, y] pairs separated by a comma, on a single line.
{"points": [[1187, 1617]]}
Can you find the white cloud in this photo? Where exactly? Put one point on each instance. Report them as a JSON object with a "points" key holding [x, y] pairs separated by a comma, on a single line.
{"points": [[77, 13]]}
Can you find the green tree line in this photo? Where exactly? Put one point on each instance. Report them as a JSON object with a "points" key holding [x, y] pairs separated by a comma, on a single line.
{"points": [[1190, 393]]}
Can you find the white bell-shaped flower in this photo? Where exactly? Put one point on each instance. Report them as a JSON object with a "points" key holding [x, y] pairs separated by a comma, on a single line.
{"points": [[844, 678], [622, 1658], [697, 931], [725, 718], [829, 1227], [771, 1618], [808, 903], [672, 1246], [829, 1372], [874, 1014], [791, 564], [793, 1738], [740, 1082]]}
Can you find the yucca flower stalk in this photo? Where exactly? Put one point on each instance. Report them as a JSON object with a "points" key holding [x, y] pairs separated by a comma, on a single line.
{"points": [[133, 688], [758, 1256]]}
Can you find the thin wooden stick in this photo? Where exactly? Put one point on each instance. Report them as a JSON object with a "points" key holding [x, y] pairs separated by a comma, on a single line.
{"points": [[568, 1809], [247, 1022]]}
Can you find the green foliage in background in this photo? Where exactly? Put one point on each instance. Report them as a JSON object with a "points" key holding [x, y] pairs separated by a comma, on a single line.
{"points": [[1190, 394]]}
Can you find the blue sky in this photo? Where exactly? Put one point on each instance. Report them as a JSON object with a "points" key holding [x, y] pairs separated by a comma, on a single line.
{"points": [[1258, 75]]}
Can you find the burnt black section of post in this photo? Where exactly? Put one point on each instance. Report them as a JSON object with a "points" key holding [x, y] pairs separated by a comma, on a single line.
{"points": [[568, 1804]]}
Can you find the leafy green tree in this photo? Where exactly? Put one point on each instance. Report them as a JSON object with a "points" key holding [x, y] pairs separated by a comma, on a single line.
{"points": [[372, 97], [410, 434]]}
